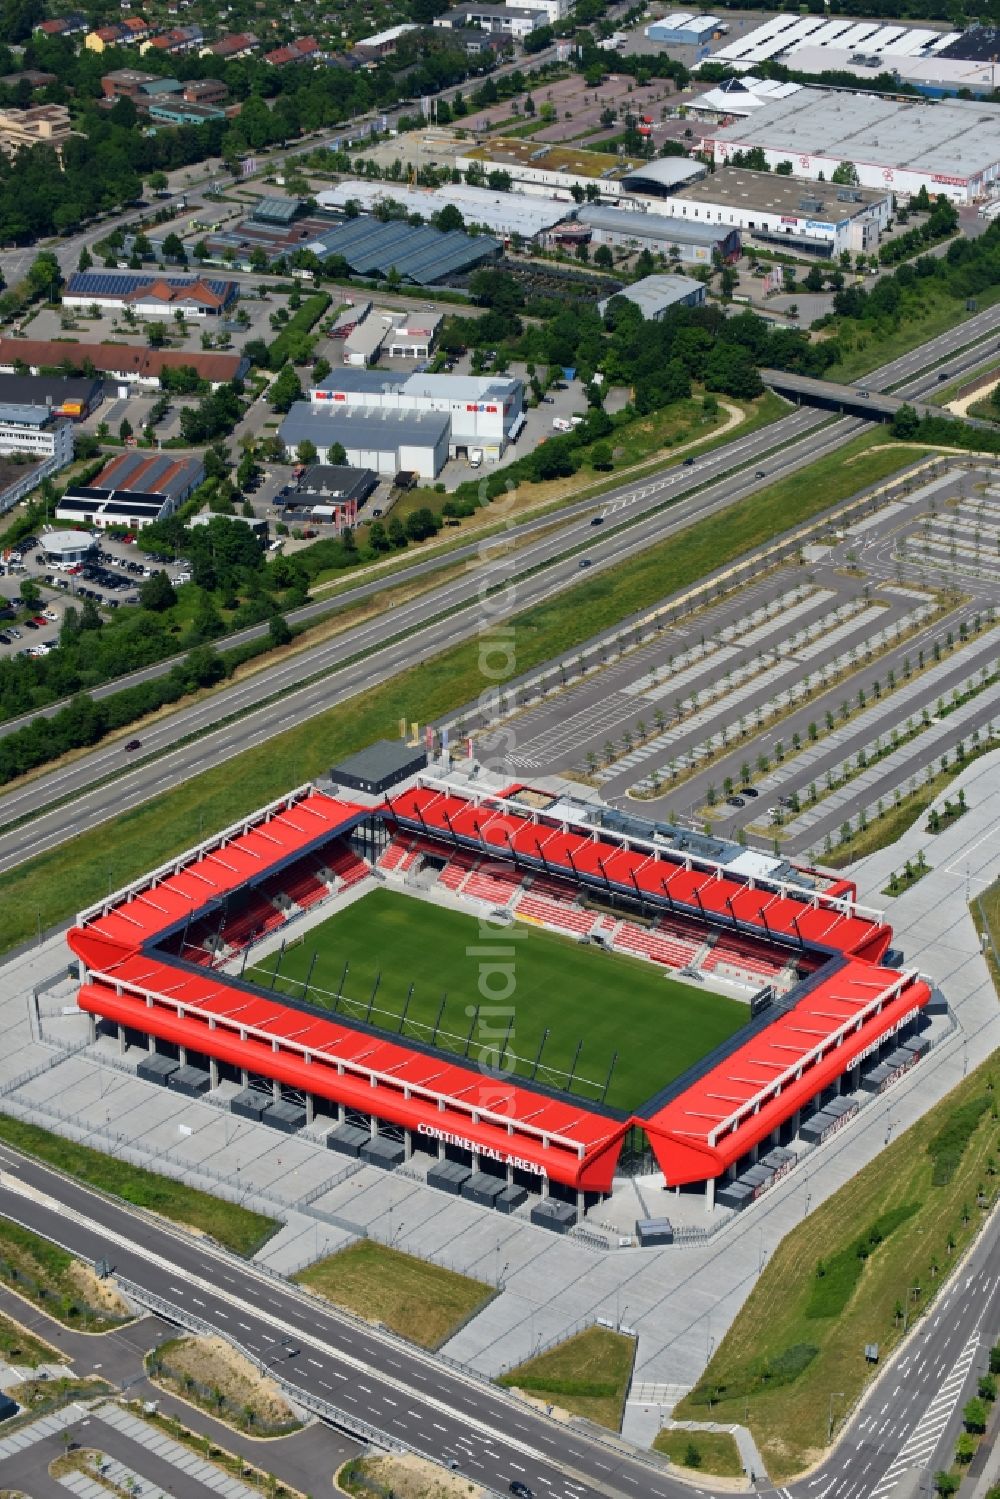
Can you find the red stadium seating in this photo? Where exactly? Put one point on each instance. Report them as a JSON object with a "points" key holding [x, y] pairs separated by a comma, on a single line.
{"points": [[561, 917], [742, 953], [346, 865], [652, 944]]}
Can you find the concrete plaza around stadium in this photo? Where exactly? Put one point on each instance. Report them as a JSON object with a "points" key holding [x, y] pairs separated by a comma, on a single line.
{"points": [[679, 1299]]}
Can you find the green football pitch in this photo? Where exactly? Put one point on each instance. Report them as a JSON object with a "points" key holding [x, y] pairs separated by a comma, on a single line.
{"points": [[520, 977]]}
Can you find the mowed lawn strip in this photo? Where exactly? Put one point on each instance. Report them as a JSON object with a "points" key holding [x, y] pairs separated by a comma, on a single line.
{"points": [[422, 1302], [657, 1026], [716, 1450], [773, 1334], [235, 1227], [587, 1375], [49, 888]]}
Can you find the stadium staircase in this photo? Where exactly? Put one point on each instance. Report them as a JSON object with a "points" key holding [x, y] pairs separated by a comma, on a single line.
{"points": [[398, 857]]}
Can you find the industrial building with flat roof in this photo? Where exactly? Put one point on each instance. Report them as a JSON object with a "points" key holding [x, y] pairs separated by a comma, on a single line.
{"points": [[683, 28], [483, 411], [384, 440], [821, 218], [504, 214], [951, 147], [937, 62], [656, 295], [696, 243]]}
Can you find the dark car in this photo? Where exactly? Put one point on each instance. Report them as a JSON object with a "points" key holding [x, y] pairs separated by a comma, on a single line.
{"points": [[29, 624], [597, 520], [761, 474], [134, 744], [942, 375], [583, 562], [520, 1490], [735, 801], [749, 791], [549, 400], [689, 463]]}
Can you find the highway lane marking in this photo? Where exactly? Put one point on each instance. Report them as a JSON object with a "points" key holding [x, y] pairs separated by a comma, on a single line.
{"points": [[314, 1361], [67, 1215]]}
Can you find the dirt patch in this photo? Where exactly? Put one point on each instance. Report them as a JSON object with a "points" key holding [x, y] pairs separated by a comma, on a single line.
{"points": [[404, 1477], [97, 1293], [215, 1377]]}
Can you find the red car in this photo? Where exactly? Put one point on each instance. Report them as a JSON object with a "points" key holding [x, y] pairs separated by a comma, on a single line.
{"points": [[41, 621]]}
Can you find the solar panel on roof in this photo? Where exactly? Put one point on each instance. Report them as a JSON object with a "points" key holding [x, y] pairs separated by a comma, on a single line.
{"points": [[416, 252]]}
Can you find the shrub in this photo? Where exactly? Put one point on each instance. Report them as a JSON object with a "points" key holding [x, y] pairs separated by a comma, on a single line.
{"points": [[836, 1278], [947, 1147]]}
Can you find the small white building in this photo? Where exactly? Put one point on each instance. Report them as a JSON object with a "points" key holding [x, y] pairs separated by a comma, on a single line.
{"points": [[36, 432], [66, 548], [416, 338], [655, 295]]}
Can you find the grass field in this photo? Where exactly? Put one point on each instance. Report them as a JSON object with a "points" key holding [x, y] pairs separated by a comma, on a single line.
{"points": [[48, 888], [716, 1451], [657, 1025], [236, 1227], [841, 1279], [587, 1375], [420, 1301]]}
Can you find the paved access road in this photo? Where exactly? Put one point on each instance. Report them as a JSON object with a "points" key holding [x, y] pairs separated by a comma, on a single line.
{"points": [[905, 1429], [905, 1423], [411, 1396]]}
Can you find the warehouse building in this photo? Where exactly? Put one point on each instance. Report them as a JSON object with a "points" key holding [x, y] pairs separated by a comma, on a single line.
{"points": [[820, 218], [950, 148], [735, 98], [481, 411], [503, 214], [691, 242], [937, 62], [656, 295], [682, 28], [386, 441]]}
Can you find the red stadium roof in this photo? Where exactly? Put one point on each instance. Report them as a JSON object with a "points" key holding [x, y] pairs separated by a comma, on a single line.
{"points": [[696, 1131], [800, 916]]}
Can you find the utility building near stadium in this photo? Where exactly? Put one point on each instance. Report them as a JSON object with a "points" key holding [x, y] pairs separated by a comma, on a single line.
{"points": [[164, 964]]}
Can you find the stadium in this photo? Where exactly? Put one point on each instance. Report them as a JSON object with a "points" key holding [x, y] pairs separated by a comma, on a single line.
{"points": [[514, 986]]}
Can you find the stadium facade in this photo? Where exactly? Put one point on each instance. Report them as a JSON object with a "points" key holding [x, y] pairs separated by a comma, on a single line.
{"points": [[159, 964]]}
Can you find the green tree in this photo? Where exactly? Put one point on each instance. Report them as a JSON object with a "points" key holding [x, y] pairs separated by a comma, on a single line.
{"points": [[845, 175], [337, 455], [157, 593], [278, 630], [31, 594], [285, 389], [905, 423]]}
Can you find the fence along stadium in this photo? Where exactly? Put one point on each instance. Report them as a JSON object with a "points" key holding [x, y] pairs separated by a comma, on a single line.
{"points": [[160, 962]]}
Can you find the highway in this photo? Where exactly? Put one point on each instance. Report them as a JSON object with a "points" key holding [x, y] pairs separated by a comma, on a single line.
{"points": [[410, 1396], [905, 1423], [431, 623], [625, 503]]}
